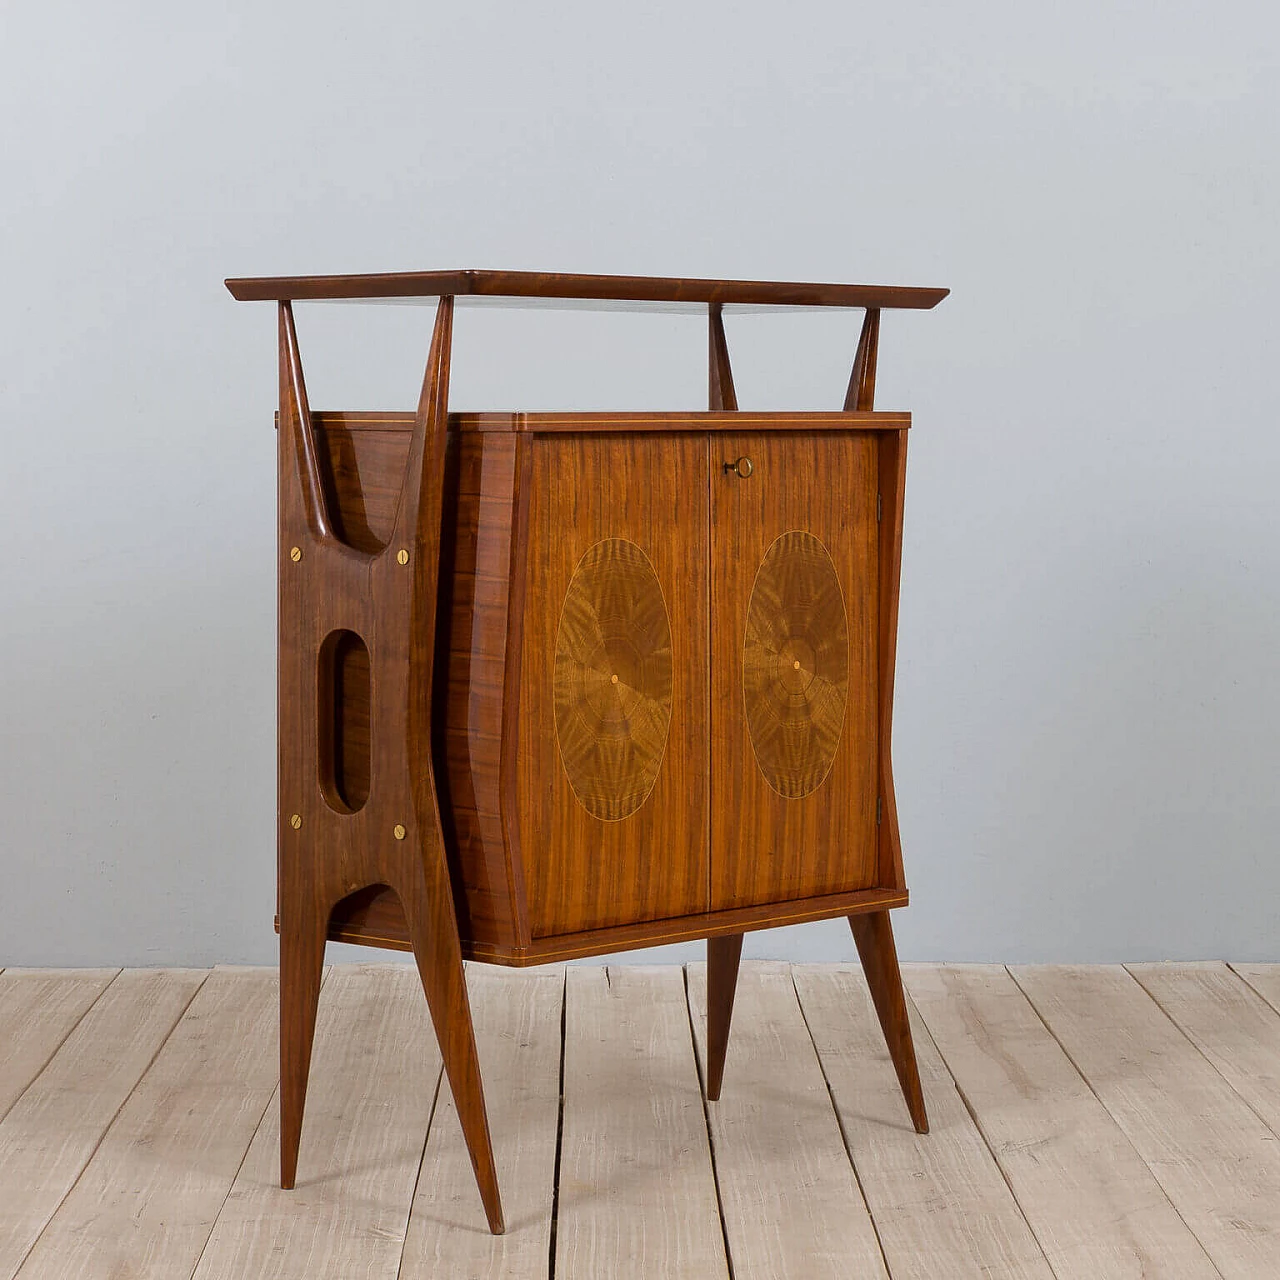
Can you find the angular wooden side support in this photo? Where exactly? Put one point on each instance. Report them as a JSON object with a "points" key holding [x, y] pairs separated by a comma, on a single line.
{"points": [[862, 380], [873, 935], [723, 954], [720, 375], [330, 848]]}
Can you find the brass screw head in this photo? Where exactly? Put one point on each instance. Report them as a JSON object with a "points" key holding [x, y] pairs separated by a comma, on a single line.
{"points": [[402, 556], [295, 554], [296, 821], [398, 832]]}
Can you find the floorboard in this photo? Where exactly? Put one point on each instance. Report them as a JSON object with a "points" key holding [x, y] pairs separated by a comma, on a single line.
{"points": [[146, 1202], [1264, 979], [38, 1010], [1218, 1163], [1228, 1022], [1094, 1206], [517, 1018], [53, 1129], [940, 1203], [637, 1193], [788, 1193], [374, 1073]]}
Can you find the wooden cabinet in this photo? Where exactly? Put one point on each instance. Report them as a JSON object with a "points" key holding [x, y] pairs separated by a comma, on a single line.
{"points": [[676, 630], [555, 685]]}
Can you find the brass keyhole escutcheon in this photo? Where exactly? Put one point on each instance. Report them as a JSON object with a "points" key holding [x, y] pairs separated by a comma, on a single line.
{"points": [[741, 467]]}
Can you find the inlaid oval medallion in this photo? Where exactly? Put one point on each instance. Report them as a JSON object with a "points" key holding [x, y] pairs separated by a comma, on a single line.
{"points": [[612, 679], [795, 664]]}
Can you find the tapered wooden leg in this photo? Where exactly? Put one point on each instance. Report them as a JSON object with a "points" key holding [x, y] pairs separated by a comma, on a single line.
{"points": [[301, 969], [873, 935], [723, 955], [433, 930]]}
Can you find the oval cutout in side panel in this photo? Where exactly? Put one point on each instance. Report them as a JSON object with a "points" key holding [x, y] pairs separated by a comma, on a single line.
{"points": [[795, 664], [343, 698], [613, 679]]}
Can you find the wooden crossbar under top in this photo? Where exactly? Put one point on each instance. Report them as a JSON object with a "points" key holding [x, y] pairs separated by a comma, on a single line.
{"points": [[569, 289]]}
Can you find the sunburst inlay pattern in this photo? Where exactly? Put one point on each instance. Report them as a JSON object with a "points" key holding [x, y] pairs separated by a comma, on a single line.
{"points": [[612, 679], [795, 664]]}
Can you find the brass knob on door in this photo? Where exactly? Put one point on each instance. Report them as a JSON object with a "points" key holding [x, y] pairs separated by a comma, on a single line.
{"points": [[741, 467]]}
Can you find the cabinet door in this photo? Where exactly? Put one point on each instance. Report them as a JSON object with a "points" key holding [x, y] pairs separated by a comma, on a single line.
{"points": [[793, 692], [612, 775]]}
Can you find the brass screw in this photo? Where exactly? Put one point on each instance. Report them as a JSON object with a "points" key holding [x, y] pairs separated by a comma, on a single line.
{"points": [[295, 554], [296, 821], [398, 832], [402, 556]]}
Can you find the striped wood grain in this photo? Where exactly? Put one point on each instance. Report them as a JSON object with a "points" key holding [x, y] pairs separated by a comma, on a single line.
{"points": [[373, 1082], [1218, 1163], [517, 1020], [637, 1190], [1093, 1204], [788, 1194], [145, 1204], [52, 1131], [940, 1203], [38, 1011]]}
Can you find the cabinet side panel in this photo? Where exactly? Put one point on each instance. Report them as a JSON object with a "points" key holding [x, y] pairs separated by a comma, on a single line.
{"points": [[892, 454], [794, 704], [611, 779], [475, 686]]}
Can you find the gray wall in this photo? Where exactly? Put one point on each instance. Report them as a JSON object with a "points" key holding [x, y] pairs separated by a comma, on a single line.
{"points": [[1089, 690]]}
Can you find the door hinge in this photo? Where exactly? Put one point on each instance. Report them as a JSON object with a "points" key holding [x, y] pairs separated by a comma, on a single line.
{"points": [[879, 807], [878, 507]]}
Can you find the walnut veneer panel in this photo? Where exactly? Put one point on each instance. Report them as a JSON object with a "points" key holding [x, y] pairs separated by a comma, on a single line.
{"points": [[648, 627], [793, 669]]}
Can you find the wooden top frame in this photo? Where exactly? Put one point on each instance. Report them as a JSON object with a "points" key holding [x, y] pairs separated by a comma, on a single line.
{"points": [[574, 292]]}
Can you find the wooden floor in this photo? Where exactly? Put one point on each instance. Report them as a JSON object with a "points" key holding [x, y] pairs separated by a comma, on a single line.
{"points": [[1086, 1122]]}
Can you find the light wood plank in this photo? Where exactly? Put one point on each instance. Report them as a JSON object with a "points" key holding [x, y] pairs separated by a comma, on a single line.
{"points": [[517, 1021], [1264, 979], [39, 1008], [1228, 1021], [1218, 1163], [52, 1131], [788, 1193], [940, 1203], [1094, 1206], [374, 1074], [146, 1203], [637, 1191]]}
